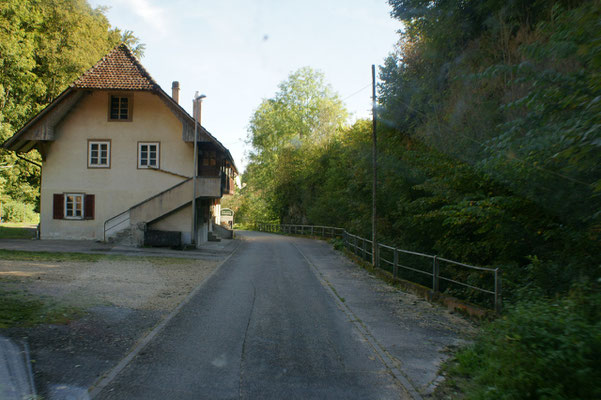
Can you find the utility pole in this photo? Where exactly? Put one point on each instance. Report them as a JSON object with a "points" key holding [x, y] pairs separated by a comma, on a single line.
{"points": [[374, 256]]}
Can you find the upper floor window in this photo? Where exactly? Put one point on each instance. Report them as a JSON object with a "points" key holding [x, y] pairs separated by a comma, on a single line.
{"points": [[209, 159], [99, 154], [148, 154], [120, 107]]}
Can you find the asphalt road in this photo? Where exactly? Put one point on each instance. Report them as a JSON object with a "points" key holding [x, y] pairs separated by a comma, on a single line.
{"points": [[264, 326]]}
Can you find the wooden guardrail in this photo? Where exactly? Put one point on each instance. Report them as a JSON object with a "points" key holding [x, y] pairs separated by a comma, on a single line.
{"points": [[395, 259]]}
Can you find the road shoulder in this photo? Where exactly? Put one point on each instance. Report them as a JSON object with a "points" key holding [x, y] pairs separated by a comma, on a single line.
{"points": [[413, 334]]}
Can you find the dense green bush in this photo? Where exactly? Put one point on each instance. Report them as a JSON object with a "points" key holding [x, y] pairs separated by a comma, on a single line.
{"points": [[13, 211], [540, 349]]}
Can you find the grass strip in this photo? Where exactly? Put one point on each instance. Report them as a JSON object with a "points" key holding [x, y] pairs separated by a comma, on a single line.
{"points": [[11, 232], [18, 309], [21, 255]]}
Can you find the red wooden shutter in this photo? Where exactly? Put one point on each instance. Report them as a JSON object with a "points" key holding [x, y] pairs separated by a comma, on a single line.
{"points": [[58, 206], [88, 207]]}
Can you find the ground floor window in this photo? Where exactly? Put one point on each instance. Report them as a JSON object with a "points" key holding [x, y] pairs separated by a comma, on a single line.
{"points": [[73, 206]]}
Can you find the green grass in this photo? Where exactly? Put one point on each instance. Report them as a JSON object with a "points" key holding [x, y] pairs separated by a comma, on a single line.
{"points": [[20, 255], [243, 226], [19, 309], [16, 231]]}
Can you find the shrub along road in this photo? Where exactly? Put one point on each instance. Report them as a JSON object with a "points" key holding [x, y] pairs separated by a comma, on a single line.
{"points": [[290, 318]]}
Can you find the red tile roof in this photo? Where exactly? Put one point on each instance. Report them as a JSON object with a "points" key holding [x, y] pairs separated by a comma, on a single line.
{"points": [[118, 70]]}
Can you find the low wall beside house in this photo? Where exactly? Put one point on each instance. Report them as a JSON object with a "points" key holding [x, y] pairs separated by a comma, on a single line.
{"points": [[223, 232], [162, 238]]}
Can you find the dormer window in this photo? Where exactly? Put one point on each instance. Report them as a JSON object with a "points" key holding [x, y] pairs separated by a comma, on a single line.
{"points": [[120, 107]]}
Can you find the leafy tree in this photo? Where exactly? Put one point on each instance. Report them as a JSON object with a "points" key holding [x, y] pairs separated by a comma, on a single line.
{"points": [[494, 106], [304, 115]]}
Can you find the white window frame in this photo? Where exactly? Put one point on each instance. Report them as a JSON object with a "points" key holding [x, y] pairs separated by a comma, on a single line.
{"points": [[73, 215], [108, 154], [144, 161]]}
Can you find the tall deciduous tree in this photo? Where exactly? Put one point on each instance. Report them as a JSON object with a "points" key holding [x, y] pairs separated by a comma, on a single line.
{"points": [[304, 114]]}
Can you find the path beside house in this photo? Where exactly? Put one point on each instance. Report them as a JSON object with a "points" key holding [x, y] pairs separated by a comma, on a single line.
{"points": [[208, 250]]}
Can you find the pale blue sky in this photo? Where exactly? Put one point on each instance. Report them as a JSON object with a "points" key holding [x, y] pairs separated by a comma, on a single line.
{"points": [[236, 52]]}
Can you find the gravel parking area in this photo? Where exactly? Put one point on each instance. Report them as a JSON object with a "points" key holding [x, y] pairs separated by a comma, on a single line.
{"points": [[121, 299], [159, 284]]}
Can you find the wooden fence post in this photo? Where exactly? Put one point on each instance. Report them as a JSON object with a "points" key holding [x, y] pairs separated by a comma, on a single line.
{"points": [[375, 248], [498, 298], [364, 250], [435, 274], [395, 265]]}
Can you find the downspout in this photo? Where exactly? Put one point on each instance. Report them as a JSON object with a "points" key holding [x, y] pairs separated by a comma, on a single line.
{"points": [[196, 112], [194, 173]]}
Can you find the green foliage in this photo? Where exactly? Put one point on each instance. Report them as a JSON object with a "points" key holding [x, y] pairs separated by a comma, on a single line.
{"points": [[539, 350], [285, 132], [16, 232], [13, 211], [503, 97]]}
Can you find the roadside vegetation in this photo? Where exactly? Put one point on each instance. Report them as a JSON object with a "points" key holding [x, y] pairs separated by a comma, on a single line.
{"points": [[18, 255], [16, 231], [19, 309], [489, 146]]}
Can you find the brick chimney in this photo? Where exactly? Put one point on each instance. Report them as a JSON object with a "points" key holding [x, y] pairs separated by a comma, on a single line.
{"points": [[175, 91]]}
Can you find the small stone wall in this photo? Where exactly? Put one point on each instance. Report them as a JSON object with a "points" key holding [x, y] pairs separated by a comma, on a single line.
{"points": [[158, 238]]}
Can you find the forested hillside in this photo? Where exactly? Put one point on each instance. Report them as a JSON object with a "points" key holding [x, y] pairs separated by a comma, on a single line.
{"points": [[44, 46], [489, 149]]}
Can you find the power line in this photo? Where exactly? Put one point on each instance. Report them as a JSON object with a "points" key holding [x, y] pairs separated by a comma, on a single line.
{"points": [[357, 92]]}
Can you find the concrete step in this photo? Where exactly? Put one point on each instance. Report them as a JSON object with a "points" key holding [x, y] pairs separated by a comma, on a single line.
{"points": [[213, 238]]}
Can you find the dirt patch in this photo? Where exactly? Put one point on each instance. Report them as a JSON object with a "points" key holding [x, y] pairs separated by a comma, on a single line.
{"points": [[121, 301], [144, 285]]}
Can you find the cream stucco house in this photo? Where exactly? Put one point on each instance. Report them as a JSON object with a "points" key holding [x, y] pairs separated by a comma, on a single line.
{"points": [[118, 157]]}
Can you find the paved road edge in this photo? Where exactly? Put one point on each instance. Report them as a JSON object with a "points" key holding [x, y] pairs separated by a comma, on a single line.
{"points": [[390, 362], [109, 376]]}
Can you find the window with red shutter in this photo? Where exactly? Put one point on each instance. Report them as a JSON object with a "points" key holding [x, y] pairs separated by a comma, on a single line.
{"points": [[58, 210], [89, 206]]}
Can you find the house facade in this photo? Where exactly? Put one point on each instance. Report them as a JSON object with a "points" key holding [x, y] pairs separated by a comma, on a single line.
{"points": [[118, 159]]}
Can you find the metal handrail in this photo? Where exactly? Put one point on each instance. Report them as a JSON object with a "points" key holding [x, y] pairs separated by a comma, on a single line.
{"points": [[365, 247], [117, 224]]}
